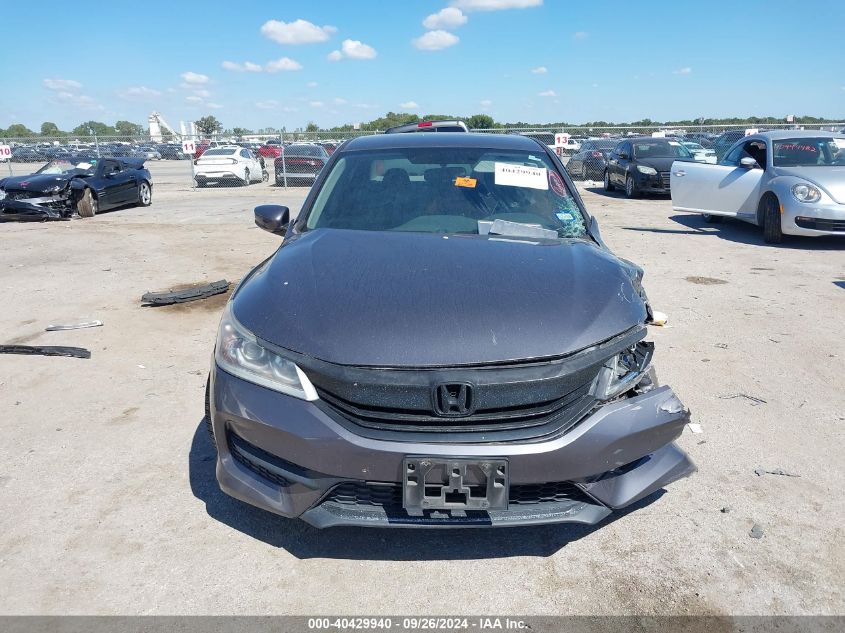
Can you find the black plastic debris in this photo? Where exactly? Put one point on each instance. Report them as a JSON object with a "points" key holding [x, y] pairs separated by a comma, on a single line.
{"points": [[183, 296], [45, 350], [777, 471]]}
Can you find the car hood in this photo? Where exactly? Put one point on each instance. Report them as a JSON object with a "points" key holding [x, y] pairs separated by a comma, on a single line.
{"points": [[409, 299], [660, 164], [831, 178], [38, 183]]}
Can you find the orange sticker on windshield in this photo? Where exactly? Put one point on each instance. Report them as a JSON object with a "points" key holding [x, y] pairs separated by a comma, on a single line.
{"points": [[465, 182]]}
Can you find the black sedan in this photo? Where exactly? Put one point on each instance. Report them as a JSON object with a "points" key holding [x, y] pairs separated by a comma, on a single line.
{"points": [[590, 161], [83, 185], [641, 165]]}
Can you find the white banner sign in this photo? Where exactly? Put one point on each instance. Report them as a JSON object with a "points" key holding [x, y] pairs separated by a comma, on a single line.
{"points": [[5, 152], [189, 147]]}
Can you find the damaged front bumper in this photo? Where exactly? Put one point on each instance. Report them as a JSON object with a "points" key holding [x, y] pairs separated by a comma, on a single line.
{"points": [[287, 456]]}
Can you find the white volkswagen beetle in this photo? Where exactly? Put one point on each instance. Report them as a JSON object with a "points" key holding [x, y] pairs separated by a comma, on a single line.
{"points": [[228, 164], [789, 182]]}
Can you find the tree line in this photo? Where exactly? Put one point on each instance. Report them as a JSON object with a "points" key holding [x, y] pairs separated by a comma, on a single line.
{"points": [[209, 125]]}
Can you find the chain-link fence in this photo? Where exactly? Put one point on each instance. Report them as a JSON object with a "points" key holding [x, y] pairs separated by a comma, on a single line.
{"points": [[294, 159]]}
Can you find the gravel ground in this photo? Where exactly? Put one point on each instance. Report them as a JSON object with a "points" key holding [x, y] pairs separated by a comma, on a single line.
{"points": [[107, 475]]}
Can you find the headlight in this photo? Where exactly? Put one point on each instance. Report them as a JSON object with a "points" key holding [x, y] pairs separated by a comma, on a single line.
{"points": [[239, 353], [623, 371], [648, 171], [806, 193]]}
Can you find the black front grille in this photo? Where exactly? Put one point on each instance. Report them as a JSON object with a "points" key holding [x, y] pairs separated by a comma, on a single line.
{"points": [[487, 419], [820, 224], [665, 179], [389, 496]]}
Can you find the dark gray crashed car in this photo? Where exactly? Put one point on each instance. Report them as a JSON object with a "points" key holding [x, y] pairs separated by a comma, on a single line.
{"points": [[441, 340]]}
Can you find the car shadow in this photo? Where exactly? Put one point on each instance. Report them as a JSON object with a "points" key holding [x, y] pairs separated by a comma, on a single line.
{"points": [[841, 284], [304, 542], [616, 193], [745, 233]]}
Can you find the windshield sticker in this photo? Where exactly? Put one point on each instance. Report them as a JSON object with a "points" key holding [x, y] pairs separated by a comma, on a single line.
{"points": [[83, 166], [675, 143], [556, 183], [564, 217], [521, 176], [465, 182]]}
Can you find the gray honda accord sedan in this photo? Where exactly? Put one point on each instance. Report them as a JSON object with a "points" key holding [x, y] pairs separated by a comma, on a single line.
{"points": [[442, 339]]}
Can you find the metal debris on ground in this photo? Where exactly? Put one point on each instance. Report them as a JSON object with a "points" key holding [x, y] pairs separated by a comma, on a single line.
{"points": [[721, 345], [183, 296], [754, 400], [725, 509], [756, 531], [45, 350], [778, 471], [72, 326], [695, 428]]}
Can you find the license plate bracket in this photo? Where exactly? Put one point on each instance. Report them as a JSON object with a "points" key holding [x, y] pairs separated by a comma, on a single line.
{"points": [[437, 483]]}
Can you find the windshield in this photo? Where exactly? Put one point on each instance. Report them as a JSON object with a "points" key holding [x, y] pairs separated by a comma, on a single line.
{"points": [[660, 149], [304, 150], [219, 152], [809, 151], [64, 166], [692, 146], [448, 190]]}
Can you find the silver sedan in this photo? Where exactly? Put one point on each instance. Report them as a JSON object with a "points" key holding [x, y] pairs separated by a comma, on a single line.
{"points": [[789, 182]]}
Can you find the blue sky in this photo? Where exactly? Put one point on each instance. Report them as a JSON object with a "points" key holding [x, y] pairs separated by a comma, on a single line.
{"points": [[342, 61]]}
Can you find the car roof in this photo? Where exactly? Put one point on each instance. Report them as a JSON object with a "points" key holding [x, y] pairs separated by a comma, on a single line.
{"points": [[442, 139], [781, 134]]}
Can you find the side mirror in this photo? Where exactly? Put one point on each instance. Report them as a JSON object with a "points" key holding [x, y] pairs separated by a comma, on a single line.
{"points": [[623, 155], [273, 218], [593, 231], [747, 162]]}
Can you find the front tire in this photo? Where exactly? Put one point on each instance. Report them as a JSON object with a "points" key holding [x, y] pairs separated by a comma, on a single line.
{"points": [[772, 230], [145, 194], [246, 178], [608, 186], [87, 206], [631, 188]]}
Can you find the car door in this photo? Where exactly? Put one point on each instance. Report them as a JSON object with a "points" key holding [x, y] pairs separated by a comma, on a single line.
{"points": [[727, 188], [613, 162], [623, 161]]}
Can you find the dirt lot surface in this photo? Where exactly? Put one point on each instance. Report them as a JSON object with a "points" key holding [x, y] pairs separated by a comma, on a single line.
{"points": [[107, 475]]}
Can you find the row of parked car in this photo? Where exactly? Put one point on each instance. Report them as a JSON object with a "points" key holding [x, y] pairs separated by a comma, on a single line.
{"points": [[292, 164], [38, 153]]}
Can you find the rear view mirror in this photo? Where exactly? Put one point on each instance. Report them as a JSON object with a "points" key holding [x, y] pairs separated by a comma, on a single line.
{"points": [[273, 218], [747, 162]]}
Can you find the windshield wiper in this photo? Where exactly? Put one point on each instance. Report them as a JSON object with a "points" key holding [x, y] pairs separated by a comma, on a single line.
{"points": [[518, 229]]}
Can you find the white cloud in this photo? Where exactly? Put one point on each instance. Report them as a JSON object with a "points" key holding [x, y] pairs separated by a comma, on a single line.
{"points": [[246, 67], [65, 85], [213, 106], [138, 93], [365, 106], [193, 99], [580, 35], [205, 94], [448, 18], [270, 104], [436, 40], [686, 70], [296, 32], [485, 104], [352, 49], [547, 93], [290, 109], [494, 5], [311, 84], [82, 102], [339, 101], [540, 70], [316, 104], [285, 64], [410, 105], [194, 78]]}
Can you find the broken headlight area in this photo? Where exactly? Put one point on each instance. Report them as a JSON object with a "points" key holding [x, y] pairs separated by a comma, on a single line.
{"points": [[629, 370], [36, 206]]}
